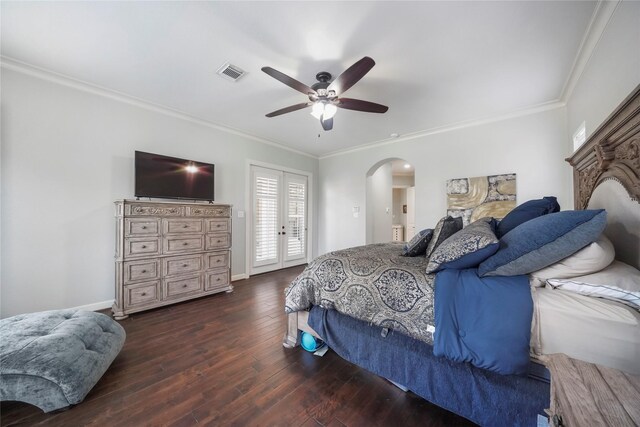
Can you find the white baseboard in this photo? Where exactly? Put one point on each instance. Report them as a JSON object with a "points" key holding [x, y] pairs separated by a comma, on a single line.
{"points": [[109, 303], [95, 306]]}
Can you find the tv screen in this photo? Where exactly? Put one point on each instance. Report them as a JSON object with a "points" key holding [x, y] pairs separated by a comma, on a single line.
{"points": [[173, 178]]}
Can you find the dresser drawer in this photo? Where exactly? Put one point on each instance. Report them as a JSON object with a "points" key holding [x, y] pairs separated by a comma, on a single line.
{"points": [[181, 265], [141, 227], [144, 209], [218, 241], [217, 225], [141, 294], [141, 246], [181, 226], [217, 260], [215, 211], [182, 286], [178, 244], [216, 279], [135, 271]]}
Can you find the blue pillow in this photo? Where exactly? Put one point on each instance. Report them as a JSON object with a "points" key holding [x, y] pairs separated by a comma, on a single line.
{"points": [[526, 211], [467, 248], [543, 241], [418, 244]]}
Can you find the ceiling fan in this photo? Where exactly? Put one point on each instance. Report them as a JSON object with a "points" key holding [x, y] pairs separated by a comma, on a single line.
{"points": [[324, 95]]}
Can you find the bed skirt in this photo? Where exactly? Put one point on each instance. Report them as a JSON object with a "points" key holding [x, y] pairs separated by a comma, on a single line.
{"points": [[484, 397]]}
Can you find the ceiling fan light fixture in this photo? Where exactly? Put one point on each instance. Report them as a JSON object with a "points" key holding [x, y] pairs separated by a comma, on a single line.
{"points": [[323, 110], [325, 95], [317, 110], [329, 111]]}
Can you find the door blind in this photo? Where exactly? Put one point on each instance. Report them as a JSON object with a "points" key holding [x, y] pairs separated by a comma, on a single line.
{"points": [[266, 211], [296, 228]]}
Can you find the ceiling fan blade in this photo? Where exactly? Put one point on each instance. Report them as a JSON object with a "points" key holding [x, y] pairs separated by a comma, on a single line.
{"points": [[289, 81], [327, 124], [289, 109], [351, 76], [359, 105]]}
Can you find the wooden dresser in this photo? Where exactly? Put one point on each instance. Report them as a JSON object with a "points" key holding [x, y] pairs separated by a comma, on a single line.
{"points": [[586, 394], [167, 252]]}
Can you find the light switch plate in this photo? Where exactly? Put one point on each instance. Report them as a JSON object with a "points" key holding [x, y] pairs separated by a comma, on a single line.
{"points": [[240, 214]]}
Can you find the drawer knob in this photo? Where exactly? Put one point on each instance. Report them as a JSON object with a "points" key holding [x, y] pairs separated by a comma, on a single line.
{"points": [[218, 279], [144, 227], [184, 286], [219, 240], [185, 226], [219, 225], [144, 294], [144, 271], [185, 244], [185, 265], [144, 246], [218, 260]]}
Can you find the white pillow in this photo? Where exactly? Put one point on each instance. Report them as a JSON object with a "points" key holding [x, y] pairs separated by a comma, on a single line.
{"points": [[619, 282], [587, 260]]}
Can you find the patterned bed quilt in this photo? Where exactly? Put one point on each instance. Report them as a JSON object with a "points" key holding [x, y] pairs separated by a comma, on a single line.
{"points": [[373, 283], [485, 321]]}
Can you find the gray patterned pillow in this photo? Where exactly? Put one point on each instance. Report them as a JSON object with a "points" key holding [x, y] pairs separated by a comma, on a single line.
{"points": [[446, 227], [418, 244], [467, 248]]}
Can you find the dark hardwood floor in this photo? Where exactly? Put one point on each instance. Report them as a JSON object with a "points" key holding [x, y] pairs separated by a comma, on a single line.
{"points": [[219, 360]]}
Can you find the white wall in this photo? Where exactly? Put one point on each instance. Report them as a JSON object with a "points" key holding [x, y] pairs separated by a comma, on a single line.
{"points": [[533, 146], [612, 72], [403, 180], [379, 214], [400, 185], [66, 156], [399, 199]]}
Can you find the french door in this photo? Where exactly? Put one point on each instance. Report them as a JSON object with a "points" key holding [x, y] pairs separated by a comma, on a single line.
{"points": [[279, 219]]}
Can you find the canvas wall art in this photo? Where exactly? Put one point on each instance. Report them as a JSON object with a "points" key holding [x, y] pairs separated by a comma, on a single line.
{"points": [[481, 196]]}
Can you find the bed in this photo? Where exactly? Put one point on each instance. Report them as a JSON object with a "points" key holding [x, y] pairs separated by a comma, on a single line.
{"points": [[613, 329], [348, 316]]}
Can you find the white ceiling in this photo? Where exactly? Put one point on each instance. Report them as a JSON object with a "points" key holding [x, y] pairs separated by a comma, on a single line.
{"points": [[438, 63]]}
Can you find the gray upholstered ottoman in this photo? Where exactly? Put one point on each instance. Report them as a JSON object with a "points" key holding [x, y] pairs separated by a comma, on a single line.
{"points": [[52, 359]]}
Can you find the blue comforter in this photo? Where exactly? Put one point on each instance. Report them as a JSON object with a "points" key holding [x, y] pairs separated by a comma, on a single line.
{"points": [[485, 321]]}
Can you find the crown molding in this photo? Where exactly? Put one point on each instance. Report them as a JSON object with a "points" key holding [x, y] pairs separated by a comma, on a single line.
{"points": [[54, 77], [599, 20], [552, 105], [48, 75]]}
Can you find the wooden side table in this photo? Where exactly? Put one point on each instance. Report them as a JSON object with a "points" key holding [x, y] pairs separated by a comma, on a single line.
{"points": [[586, 394]]}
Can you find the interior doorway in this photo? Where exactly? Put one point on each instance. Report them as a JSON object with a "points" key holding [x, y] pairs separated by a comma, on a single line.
{"points": [[390, 201]]}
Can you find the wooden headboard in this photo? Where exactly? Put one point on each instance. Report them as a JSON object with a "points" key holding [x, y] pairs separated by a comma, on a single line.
{"points": [[606, 174]]}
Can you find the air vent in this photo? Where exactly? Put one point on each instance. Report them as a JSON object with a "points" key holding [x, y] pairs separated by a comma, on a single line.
{"points": [[230, 72]]}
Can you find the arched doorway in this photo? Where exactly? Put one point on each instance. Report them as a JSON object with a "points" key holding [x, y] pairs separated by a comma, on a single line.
{"points": [[390, 201]]}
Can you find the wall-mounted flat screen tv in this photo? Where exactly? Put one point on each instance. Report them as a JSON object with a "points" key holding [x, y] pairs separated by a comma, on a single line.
{"points": [[173, 178]]}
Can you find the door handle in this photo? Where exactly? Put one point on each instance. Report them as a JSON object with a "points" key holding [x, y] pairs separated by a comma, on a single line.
{"points": [[284, 232]]}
